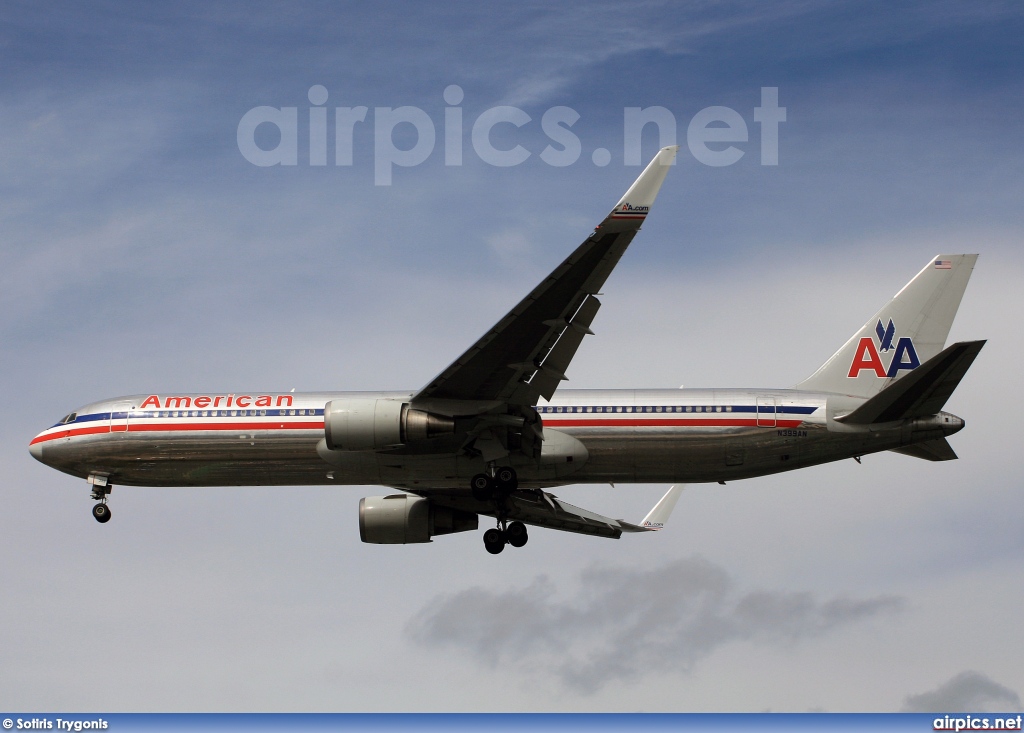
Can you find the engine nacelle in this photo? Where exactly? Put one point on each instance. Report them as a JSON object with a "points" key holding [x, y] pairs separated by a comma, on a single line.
{"points": [[371, 424], [403, 519]]}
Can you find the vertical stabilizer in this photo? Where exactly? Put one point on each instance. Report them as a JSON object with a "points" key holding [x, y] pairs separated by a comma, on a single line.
{"points": [[909, 330]]}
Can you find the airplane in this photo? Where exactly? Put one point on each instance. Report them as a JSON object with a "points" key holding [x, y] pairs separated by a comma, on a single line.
{"points": [[492, 433]]}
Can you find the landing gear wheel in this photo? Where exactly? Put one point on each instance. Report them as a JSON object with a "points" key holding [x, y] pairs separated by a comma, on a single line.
{"points": [[494, 541], [483, 487], [101, 512], [516, 534], [505, 479]]}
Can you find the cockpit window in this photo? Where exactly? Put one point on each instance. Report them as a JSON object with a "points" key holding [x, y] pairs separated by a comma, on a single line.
{"points": [[69, 418]]}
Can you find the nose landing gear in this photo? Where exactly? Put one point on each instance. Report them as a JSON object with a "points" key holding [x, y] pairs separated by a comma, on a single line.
{"points": [[100, 512]]}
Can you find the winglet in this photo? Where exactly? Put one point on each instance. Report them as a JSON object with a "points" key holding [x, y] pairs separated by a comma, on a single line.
{"points": [[637, 201], [658, 516]]}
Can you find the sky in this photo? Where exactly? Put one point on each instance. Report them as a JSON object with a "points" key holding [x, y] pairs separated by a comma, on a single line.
{"points": [[141, 251]]}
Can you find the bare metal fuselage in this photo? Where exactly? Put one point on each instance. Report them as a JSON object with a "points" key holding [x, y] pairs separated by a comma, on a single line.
{"points": [[642, 436]]}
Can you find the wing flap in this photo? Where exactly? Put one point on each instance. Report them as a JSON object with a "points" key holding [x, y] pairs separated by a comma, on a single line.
{"points": [[552, 370], [542, 509]]}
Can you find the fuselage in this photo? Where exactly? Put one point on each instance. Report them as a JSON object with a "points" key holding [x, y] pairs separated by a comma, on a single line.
{"points": [[656, 436]]}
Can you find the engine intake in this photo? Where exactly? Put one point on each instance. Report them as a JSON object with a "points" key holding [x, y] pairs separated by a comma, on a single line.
{"points": [[371, 424], [402, 519]]}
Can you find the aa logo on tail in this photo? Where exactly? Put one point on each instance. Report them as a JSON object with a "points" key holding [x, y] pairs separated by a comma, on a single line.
{"points": [[868, 356]]}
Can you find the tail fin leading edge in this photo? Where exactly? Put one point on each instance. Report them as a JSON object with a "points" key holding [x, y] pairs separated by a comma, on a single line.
{"points": [[909, 330]]}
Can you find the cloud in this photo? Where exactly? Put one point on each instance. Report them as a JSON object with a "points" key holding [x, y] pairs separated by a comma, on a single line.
{"points": [[968, 692], [626, 622]]}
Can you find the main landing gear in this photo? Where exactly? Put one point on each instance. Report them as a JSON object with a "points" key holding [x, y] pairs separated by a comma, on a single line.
{"points": [[514, 533], [101, 512], [495, 486], [502, 481]]}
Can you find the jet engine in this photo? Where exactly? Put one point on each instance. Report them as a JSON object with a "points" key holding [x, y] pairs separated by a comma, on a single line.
{"points": [[370, 424], [403, 519]]}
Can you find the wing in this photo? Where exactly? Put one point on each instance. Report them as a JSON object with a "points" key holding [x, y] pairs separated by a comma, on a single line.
{"points": [[525, 355], [541, 509]]}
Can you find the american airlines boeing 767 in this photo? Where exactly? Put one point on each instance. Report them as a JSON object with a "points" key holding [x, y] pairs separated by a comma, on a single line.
{"points": [[492, 433]]}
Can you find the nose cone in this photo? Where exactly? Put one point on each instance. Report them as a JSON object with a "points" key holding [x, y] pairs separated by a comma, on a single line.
{"points": [[36, 448]]}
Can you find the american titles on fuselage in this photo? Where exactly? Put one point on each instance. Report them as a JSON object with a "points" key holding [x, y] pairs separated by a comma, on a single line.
{"points": [[204, 401]]}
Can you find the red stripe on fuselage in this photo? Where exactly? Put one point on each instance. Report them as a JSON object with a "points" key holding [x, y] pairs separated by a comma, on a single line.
{"points": [[70, 433], [172, 427], [199, 427], [140, 427]]}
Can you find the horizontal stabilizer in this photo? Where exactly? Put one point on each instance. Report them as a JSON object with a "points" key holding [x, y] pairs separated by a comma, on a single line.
{"points": [[922, 392], [930, 450]]}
